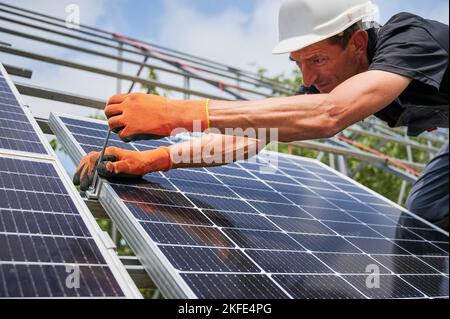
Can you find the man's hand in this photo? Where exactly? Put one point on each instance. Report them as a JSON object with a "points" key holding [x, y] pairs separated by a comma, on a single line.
{"points": [[139, 116], [122, 163]]}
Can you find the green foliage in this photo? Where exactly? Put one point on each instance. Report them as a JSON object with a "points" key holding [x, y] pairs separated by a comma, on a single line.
{"points": [[294, 80], [122, 247], [123, 250], [54, 144], [379, 180], [148, 293], [151, 89]]}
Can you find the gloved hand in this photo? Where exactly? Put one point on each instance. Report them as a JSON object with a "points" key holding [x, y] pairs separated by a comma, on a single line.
{"points": [[140, 116], [122, 163]]}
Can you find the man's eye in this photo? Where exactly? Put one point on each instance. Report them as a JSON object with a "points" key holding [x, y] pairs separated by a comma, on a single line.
{"points": [[318, 60]]}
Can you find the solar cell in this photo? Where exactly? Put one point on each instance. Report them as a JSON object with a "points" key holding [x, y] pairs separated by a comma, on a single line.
{"points": [[302, 231]]}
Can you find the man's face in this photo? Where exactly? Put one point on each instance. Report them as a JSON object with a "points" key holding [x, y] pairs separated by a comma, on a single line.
{"points": [[325, 65]]}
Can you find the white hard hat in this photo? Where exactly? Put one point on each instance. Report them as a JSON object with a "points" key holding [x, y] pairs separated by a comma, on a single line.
{"points": [[305, 22]]}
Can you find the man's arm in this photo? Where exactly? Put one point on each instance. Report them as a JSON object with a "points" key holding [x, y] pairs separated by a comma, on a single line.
{"points": [[214, 150], [209, 150], [312, 116], [304, 117]]}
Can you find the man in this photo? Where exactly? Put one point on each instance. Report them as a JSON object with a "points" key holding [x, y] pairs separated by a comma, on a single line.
{"points": [[399, 72]]}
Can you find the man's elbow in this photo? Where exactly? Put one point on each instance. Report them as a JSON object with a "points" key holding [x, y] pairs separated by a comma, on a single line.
{"points": [[334, 127], [323, 125], [332, 121]]}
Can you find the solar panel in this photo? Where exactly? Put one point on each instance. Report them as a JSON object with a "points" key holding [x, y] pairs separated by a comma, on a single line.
{"points": [[302, 231], [41, 233], [16, 129], [51, 246]]}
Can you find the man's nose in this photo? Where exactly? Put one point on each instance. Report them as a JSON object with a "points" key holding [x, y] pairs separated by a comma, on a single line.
{"points": [[309, 77]]}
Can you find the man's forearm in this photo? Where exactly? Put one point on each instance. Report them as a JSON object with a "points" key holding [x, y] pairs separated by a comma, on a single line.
{"points": [[296, 117], [214, 150]]}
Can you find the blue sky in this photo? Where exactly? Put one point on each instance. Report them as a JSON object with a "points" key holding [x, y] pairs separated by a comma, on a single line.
{"points": [[147, 14], [144, 18]]}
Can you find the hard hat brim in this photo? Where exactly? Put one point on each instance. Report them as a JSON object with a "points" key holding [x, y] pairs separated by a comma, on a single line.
{"points": [[297, 43]]}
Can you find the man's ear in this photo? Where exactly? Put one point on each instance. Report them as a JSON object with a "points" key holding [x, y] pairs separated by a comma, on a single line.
{"points": [[359, 41]]}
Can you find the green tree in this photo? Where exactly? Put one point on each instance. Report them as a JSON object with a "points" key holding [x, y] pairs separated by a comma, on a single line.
{"points": [[291, 81], [151, 89]]}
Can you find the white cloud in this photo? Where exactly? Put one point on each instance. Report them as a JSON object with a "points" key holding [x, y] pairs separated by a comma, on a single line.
{"points": [[232, 37]]}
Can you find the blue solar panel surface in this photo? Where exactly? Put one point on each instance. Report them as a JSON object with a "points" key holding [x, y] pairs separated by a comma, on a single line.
{"points": [[16, 131], [42, 233], [47, 249], [302, 231]]}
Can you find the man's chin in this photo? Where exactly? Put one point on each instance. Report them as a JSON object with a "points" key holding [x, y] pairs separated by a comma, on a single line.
{"points": [[325, 89]]}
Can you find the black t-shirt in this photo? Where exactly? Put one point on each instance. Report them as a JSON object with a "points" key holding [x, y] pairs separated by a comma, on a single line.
{"points": [[418, 49]]}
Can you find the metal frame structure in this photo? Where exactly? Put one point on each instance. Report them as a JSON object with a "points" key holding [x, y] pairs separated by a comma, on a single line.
{"points": [[227, 83]]}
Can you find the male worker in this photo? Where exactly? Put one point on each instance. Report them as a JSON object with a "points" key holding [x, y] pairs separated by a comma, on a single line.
{"points": [[399, 72]]}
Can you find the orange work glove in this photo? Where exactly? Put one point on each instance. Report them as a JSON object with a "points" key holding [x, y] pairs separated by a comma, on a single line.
{"points": [[138, 116], [122, 163]]}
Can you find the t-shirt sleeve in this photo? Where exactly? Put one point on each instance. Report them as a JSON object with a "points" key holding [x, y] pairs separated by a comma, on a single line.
{"points": [[405, 47], [307, 90]]}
